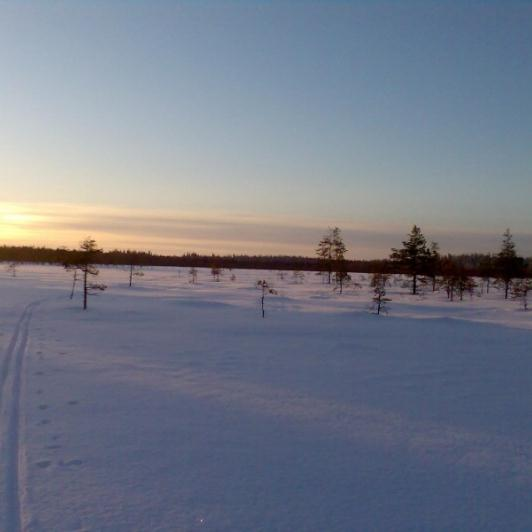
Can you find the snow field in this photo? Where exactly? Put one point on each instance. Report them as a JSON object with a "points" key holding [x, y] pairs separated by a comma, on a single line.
{"points": [[168, 406]]}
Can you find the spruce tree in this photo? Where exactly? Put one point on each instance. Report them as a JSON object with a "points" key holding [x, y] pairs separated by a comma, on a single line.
{"points": [[413, 257], [508, 264]]}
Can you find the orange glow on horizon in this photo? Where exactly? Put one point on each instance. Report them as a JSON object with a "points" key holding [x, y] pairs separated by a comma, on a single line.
{"points": [[178, 232]]}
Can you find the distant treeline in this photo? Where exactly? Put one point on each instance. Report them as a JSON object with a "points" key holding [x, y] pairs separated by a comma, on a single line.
{"points": [[474, 263]]}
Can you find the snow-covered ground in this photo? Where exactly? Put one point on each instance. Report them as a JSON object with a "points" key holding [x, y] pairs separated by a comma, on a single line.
{"points": [[171, 406]]}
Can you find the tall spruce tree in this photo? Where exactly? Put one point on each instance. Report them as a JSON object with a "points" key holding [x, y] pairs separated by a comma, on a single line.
{"points": [[508, 264], [413, 257]]}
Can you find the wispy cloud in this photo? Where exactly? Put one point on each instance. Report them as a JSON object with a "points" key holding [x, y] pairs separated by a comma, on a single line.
{"points": [[213, 232]]}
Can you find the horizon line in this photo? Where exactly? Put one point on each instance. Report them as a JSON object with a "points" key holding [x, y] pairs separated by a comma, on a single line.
{"points": [[164, 231]]}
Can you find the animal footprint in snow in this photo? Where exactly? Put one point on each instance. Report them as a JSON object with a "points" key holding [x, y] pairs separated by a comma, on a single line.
{"points": [[43, 407], [38, 392], [73, 403], [39, 373], [44, 422], [52, 447], [43, 464]]}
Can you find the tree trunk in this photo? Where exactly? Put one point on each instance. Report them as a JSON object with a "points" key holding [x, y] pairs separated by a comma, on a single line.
{"points": [[74, 283], [85, 289]]}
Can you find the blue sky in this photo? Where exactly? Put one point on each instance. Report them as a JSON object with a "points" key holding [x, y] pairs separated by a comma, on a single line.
{"points": [[367, 115]]}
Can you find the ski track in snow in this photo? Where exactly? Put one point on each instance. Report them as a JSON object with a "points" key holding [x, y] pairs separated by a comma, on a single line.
{"points": [[10, 386]]}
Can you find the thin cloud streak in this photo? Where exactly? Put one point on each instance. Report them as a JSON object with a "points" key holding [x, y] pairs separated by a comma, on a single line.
{"points": [[168, 232]]}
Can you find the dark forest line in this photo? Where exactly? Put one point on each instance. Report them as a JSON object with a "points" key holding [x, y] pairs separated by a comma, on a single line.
{"points": [[472, 262]]}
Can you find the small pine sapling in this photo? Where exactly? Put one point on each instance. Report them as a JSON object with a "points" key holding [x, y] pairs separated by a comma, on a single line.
{"points": [[134, 268], [379, 282], [12, 268], [134, 271], [265, 289], [469, 286], [449, 279], [448, 282], [464, 283], [520, 289], [215, 272], [298, 277], [193, 272], [321, 275], [341, 278]]}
